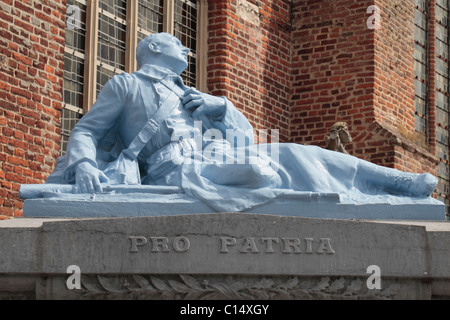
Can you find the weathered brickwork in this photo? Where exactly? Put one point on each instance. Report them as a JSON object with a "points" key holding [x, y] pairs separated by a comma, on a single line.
{"points": [[342, 70], [394, 88], [333, 69], [31, 71], [249, 59]]}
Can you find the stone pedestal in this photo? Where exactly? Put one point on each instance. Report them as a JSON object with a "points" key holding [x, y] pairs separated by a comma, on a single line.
{"points": [[223, 256], [54, 201]]}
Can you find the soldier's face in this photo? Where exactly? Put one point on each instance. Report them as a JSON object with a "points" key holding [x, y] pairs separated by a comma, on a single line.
{"points": [[174, 53]]}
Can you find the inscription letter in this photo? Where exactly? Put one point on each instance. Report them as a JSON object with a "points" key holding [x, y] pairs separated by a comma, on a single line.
{"points": [[269, 242], [181, 244], [249, 246], [225, 242], [325, 246], [160, 242], [309, 242], [137, 241], [291, 243]]}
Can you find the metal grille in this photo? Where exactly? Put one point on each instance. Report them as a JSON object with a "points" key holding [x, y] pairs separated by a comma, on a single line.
{"points": [[75, 35], [150, 17], [118, 8], [103, 75], [111, 42], [442, 99], [73, 80], [69, 120], [420, 66], [185, 29]]}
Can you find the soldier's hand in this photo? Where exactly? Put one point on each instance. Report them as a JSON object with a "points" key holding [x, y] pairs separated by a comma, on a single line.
{"points": [[88, 178], [202, 104]]}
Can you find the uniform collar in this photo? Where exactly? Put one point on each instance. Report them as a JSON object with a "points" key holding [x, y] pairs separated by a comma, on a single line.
{"points": [[156, 72]]}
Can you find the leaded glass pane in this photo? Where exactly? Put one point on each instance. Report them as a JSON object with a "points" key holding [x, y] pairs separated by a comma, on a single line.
{"points": [[420, 66], [442, 117], [420, 124], [441, 3], [442, 66], [419, 70], [421, 4], [75, 33], [420, 53], [442, 137], [69, 119], [441, 83], [420, 19], [111, 42], [441, 15], [103, 75], [420, 106], [73, 80], [150, 17], [117, 8], [73, 76], [420, 89], [441, 33], [442, 100], [441, 49], [185, 29]]}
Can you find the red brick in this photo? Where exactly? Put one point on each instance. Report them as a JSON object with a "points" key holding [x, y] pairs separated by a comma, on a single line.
{"points": [[27, 50]]}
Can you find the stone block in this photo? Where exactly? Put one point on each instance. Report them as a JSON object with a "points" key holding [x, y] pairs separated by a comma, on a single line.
{"points": [[224, 256]]}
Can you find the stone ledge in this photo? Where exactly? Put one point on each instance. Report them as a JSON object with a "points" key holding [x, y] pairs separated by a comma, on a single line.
{"points": [[256, 255], [140, 201]]}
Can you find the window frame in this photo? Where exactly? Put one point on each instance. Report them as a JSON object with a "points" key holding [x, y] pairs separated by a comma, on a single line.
{"points": [[91, 46]]}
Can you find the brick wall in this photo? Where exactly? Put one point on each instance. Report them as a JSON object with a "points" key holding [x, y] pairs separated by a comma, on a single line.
{"points": [[31, 71], [332, 69], [344, 71], [394, 67], [249, 59], [394, 88]]}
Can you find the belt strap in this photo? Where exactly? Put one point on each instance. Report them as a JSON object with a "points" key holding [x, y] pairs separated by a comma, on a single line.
{"points": [[152, 125]]}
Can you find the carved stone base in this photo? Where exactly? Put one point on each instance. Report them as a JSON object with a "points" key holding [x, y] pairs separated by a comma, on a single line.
{"points": [[230, 287], [223, 256]]}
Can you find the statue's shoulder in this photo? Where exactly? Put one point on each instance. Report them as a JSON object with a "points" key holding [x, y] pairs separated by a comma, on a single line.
{"points": [[122, 82], [124, 77]]}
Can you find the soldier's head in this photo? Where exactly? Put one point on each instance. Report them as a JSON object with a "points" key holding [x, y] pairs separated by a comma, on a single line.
{"points": [[164, 50]]}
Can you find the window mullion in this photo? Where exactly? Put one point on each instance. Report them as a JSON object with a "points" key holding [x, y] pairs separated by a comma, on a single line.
{"points": [[91, 54], [169, 8], [202, 45], [131, 40]]}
